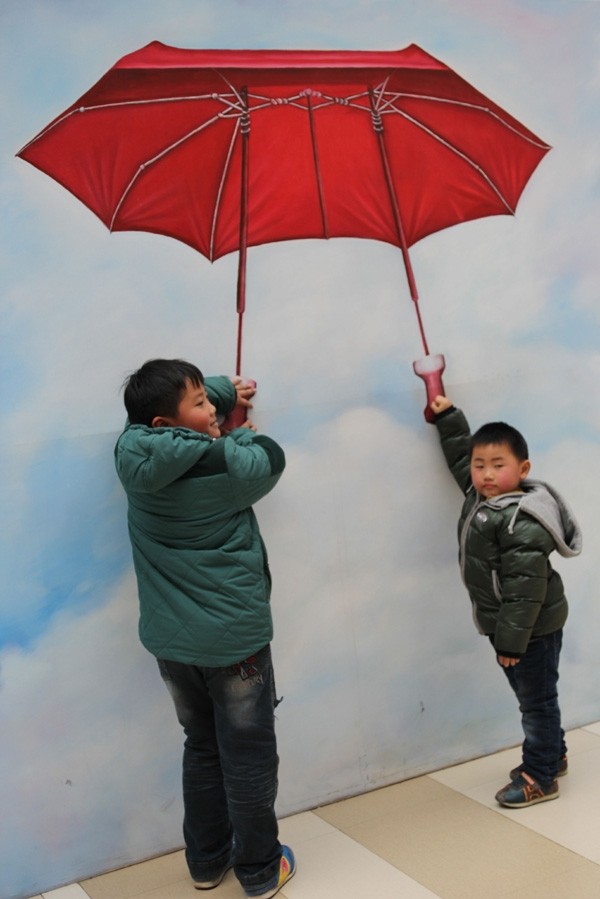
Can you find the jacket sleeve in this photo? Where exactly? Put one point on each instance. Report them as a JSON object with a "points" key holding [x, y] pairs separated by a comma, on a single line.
{"points": [[254, 463], [221, 393], [148, 459], [455, 438], [523, 581]]}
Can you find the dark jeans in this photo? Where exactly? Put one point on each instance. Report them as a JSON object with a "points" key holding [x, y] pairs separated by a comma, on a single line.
{"points": [[229, 768], [534, 681]]}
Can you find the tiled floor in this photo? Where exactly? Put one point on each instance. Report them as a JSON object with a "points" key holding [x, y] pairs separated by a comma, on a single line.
{"points": [[441, 835]]}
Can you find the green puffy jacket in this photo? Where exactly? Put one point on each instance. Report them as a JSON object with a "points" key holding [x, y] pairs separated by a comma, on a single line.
{"points": [[202, 570], [504, 545]]}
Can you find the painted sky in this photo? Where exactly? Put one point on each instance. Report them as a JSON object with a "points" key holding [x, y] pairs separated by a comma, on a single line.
{"points": [[361, 529]]}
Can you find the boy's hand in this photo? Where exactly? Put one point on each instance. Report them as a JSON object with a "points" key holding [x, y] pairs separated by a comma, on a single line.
{"points": [[507, 661], [440, 404], [244, 391], [249, 425]]}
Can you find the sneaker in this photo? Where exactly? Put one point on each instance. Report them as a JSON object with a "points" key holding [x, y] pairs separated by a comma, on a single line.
{"points": [[211, 884], [524, 790], [563, 768], [287, 869]]}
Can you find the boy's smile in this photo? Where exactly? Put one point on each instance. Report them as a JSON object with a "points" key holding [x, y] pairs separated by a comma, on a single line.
{"points": [[496, 470]]}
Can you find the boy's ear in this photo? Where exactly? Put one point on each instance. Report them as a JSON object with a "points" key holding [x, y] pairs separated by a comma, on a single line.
{"points": [[525, 468], [159, 422]]}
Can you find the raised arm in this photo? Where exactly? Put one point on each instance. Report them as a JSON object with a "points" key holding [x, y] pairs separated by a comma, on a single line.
{"points": [[455, 438]]}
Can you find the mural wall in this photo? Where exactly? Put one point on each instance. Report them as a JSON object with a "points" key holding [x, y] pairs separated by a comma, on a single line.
{"points": [[382, 672]]}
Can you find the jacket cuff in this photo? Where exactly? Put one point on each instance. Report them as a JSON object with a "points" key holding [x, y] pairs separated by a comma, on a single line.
{"points": [[509, 654], [444, 413]]}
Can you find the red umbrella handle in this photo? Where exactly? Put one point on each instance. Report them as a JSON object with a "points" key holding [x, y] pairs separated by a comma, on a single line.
{"points": [[430, 369], [238, 414]]}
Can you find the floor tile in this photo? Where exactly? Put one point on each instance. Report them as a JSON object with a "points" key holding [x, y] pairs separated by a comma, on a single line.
{"points": [[450, 843], [372, 806], [333, 866], [570, 821], [579, 883], [135, 879], [72, 891]]}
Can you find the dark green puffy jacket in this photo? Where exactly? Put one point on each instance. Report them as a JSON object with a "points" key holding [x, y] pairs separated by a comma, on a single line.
{"points": [[202, 570], [504, 545]]}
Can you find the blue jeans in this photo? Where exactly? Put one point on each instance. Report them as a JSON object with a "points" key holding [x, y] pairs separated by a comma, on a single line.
{"points": [[229, 768], [534, 681]]}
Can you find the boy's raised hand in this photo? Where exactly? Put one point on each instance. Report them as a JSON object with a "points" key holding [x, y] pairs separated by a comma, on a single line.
{"points": [[440, 404], [244, 391]]}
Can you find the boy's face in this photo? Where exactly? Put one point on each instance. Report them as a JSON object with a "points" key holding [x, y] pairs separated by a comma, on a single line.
{"points": [[195, 411], [495, 469]]}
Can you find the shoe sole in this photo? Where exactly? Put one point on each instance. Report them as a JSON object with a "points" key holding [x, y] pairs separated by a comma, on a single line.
{"points": [[212, 884], [535, 801]]}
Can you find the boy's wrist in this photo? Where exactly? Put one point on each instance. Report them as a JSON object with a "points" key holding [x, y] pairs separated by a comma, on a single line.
{"points": [[439, 415]]}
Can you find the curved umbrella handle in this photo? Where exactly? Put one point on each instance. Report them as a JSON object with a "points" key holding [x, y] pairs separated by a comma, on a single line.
{"points": [[430, 369], [238, 414]]}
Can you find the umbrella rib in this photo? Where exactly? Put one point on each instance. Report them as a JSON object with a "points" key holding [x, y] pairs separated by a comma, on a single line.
{"points": [[457, 152], [221, 188], [389, 102], [144, 165], [125, 103]]}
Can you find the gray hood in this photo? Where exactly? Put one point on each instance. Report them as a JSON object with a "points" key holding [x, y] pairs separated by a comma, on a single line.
{"points": [[542, 502]]}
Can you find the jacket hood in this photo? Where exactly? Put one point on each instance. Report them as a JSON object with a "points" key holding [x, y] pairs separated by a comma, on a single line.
{"points": [[542, 502]]}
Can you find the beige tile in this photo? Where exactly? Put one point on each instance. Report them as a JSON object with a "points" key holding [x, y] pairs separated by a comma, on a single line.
{"points": [[334, 866], [593, 728], [571, 821], [451, 844], [72, 891], [183, 889], [297, 829], [374, 805], [135, 879], [580, 883]]}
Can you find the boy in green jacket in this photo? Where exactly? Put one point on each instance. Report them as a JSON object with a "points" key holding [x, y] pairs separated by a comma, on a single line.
{"points": [[508, 527], [204, 588]]}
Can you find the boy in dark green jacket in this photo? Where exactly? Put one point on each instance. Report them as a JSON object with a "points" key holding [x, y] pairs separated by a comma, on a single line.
{"points": [[508, 527], [204, 588]]}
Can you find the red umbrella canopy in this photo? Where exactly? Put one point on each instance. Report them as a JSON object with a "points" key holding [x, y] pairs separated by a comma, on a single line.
{"points": [[225, 149], [156, 145]]}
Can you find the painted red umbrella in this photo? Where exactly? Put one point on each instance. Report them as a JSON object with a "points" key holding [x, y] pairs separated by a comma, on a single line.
{"points": [[227, 149]]}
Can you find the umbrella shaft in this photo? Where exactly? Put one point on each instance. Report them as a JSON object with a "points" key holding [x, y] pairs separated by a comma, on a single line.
{"points": [[412, 285], [243, 242]]}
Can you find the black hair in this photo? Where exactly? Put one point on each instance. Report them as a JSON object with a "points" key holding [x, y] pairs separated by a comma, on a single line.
{"points": [[500, 432], [156, 389]]}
